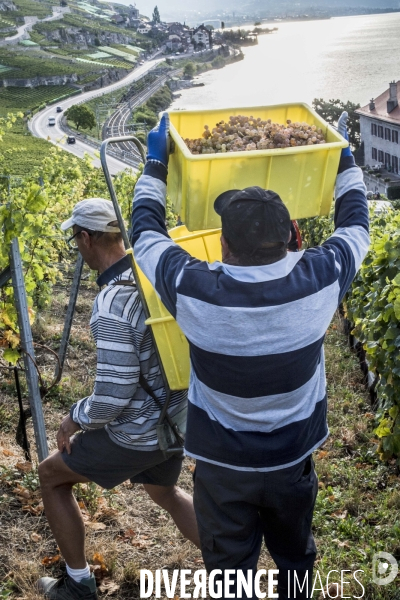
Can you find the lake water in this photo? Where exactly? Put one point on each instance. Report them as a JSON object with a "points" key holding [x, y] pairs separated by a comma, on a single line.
{"points": [[350, 58]]}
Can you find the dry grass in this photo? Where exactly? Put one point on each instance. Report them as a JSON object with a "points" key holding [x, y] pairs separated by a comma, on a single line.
{"points": [[138, 534]]}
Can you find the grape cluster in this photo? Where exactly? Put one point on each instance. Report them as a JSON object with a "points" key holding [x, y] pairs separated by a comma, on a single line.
{"points": [[250, 133]]}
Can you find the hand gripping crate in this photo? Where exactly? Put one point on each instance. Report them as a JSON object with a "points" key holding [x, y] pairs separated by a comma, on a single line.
{"points": [[303, 176]]}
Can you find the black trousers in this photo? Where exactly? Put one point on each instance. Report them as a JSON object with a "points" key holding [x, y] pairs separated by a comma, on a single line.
{"points": [[235, 510]]}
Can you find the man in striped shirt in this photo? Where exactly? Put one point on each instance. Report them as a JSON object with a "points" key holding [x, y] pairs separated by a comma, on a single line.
{"points": [[257, 395], [118, 420]]}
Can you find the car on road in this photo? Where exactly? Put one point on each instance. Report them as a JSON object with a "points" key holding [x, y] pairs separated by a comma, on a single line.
{"points": [[71, 139], [52, 121], [59, 109]]}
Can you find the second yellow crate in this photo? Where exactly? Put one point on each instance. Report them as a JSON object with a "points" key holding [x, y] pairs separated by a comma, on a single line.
{"points": [[172, 345]]}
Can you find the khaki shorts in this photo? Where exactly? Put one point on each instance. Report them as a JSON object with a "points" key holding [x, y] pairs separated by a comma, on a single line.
{"points": [[95, 456]]}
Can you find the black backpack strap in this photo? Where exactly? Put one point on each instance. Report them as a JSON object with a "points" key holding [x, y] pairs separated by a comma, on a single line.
{"points": [[128, 282], [148, 390], [167, 418]]}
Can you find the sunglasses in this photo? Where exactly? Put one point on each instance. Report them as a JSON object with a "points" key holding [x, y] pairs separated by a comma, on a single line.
{"points": [[73, 245]]}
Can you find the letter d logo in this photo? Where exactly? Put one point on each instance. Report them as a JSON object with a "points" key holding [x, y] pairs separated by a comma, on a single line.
{"points": [[384, 568]]}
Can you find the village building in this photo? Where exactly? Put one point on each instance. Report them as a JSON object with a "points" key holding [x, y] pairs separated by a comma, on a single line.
{"points": [[202, 38], [118, 19], [133, 12], [175, 28], [380, 136], [174, 43], [143, 28]]}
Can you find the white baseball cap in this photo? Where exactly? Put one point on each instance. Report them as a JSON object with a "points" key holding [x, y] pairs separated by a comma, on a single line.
{"points": [[93, 213]]}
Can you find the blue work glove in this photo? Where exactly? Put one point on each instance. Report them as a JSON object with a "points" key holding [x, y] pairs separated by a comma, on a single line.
{"points": [[158, 141], [342, 129]]}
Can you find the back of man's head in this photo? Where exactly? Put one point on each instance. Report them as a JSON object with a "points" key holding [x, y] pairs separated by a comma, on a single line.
{"points": [[255, 225]]}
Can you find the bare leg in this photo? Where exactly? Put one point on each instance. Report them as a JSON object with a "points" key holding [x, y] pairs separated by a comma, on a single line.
{"points": [[62, 510], [179, 504]]}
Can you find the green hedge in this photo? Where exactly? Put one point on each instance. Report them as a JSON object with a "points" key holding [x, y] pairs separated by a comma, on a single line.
{"points": [[373, 306], [394, 193]]}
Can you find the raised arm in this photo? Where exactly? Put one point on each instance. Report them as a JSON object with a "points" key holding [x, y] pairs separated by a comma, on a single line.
{"points": [[161, 260], [350, 240]]}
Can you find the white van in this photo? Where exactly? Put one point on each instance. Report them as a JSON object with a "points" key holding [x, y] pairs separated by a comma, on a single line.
{"points": [[52, 120]]}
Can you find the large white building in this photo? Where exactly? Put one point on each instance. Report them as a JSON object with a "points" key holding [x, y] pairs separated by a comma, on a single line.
{"points": [[380, 129], [202, 38]]}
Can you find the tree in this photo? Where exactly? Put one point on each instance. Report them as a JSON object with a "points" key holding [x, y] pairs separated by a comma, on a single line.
{"points": [[156, 15], [189, 70], [330, 111], [81, 116], [158, 37]]}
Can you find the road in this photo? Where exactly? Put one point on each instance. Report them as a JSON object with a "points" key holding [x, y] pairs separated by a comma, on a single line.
{"points": [[39, 127], [30, 21]]}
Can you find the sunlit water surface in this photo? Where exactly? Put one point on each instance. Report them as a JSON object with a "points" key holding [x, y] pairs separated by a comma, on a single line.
{"points": [[350, 58]]}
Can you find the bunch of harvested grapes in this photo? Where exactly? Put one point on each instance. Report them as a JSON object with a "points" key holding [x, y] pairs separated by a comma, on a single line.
{"points": [[247, 133]]}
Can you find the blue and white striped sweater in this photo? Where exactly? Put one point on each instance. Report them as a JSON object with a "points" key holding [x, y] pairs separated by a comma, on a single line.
{"points": [[257, 395]]}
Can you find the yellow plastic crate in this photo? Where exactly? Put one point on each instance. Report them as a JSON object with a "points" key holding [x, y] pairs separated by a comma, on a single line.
{"points": [[304, 176], [172, 345]]}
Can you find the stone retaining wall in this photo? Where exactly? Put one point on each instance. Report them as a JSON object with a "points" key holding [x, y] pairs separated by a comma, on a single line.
{"points": [[35, 81]]}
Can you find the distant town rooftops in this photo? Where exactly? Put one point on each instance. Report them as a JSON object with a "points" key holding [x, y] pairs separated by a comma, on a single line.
{"points": [[386, 106]]}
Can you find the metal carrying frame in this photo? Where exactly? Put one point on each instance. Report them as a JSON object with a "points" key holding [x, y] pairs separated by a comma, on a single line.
{"points": [[164, 416]]}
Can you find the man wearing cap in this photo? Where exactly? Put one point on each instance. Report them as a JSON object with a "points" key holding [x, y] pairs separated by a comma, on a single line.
{"points": [[118, 420], [255, 324]]}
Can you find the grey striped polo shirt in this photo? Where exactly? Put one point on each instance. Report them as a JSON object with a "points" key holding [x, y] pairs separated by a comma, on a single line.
{"points": [[124, 348]]}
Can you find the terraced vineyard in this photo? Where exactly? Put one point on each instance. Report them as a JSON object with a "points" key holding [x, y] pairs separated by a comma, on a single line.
{"points": [[68, 51], [4, 22], [98, 55], [24, 66], [95, 62], [28, 8], [6, 34], [7, 27], [135, 50], [22, 153], [120, 64], [121, 54], [16, 99], [94, 25]]}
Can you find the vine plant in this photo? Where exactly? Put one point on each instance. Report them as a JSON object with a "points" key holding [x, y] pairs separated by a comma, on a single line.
{"points": [[32, 212], [372, 305]]}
